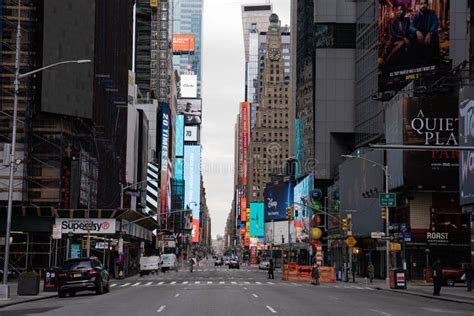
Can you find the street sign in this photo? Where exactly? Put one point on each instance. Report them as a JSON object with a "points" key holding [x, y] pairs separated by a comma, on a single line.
{"points": [[377, 235], [388, 200], [351, 241], [57, 231]]}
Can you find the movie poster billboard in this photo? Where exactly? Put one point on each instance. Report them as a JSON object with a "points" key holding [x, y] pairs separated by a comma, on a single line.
{"points": [[277, 199], [192, 184], [191, 109], [413, 40], [466, 138], [244, 129], [257, 228], [431, 121]]}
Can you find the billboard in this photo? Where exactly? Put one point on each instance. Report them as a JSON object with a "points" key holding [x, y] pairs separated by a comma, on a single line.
{"points": [[257, 228], [165, 131], [277, 199], [188, 84], [179, 135], [276, 233], [413, 40], [86, 225], [466, 138], [183, 43], [191, 109], [302, 221], [244, 130], [431, 121], [243, 208], [191, 133], [195, 231], [192, 184]]}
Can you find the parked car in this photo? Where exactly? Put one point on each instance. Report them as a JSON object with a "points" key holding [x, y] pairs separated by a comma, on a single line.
{"points": [[169, 262], [149, 264], [234, 264], [83, 274], [451, 276], [264, 265], [219, 262]]}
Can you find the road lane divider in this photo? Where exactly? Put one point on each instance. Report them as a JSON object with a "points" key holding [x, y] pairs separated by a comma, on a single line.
{"points": [[271, 309], [162, 307]]}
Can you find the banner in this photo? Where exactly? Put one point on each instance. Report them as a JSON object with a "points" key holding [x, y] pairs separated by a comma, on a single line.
{"points": [[86, 225], [257, 228]]}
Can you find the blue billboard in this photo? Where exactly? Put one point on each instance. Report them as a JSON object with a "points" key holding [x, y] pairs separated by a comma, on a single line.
{"points": [[179, 169], [192, 176], [179, 135], [277, 199], [257, 226], [303, 190]]}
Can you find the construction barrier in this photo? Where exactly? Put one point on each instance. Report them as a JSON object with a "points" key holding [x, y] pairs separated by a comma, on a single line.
{"points": [[302, 273]]}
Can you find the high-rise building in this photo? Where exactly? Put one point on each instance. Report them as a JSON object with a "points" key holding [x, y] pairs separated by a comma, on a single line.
{"points": [[187, 20]]}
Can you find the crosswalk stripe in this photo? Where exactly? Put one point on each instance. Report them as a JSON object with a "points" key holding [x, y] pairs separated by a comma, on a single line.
{"points": [[160, 283], [233, 282], [149, 283], [247, 282], [137, 284], [369, 288], [337, 286], [185, 282], [112, 285], [357, 287], [126, 284], [258, 282], [209, 282], [174, 282], [197, 282], [270, 283], [347, 287], [205, 270], [221, 282]]}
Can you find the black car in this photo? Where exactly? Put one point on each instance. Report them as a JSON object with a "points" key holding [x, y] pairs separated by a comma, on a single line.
{"points": [[234, 264], [83, 274], [219, 262]]}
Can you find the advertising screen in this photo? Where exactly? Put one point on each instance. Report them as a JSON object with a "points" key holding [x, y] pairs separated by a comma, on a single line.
{"points": [[195, 231], [191, 109], [188, 86], [466, 138], [183, 43], [277, 199], [243, 208], [179, 135], [191, 133], [413, 40], [244, 129], [192, 176], [164, 157], [431, 121], [302, 221], [257, 228]]}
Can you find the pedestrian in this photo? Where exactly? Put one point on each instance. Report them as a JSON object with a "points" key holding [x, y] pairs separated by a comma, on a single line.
{"points": [[371, 271], [315, 273], [468, 275], [437, 277], [271, 267]]}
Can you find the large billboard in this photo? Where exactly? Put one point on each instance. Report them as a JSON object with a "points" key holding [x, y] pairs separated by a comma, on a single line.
{"points": [[192, 184], [257, 228], [188, 86], [466, 138], [301, 192], [191, 133], [277, 199], [243, 209], [183, 43], [413, 40], [179, 135], [244, 130], [164, 170], [191, 109]]}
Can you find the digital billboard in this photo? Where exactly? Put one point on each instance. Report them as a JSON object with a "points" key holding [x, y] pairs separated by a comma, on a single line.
{"points": [[244, 130], [466, 138], [191, 109], [195, 231], [243, 208], [165, 178], [302, 221], [191, 133], [413, 40], [179, 135], [277, 199], [188, 86], [183, 43], [192, 184], [257, 228]]}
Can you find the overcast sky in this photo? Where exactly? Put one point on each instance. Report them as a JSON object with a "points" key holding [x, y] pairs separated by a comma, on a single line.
{"points": [[223, 88]]}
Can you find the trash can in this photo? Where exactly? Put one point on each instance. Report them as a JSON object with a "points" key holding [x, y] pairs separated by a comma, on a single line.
{"points": [[51, 279], [398, 279]]}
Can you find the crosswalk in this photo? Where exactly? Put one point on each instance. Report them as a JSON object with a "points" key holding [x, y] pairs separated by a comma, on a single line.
{"points": [[238, 283]]}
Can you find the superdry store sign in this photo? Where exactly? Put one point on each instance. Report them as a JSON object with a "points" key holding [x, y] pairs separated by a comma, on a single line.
{"points": [[84, 226]]}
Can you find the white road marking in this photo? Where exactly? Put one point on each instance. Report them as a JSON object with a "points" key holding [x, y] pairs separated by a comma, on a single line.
{"points": [[247, 282], [258, 282], [174, 282], [271, 309], [137, 284], [381, 312], [160, 283], [177, 294], [162, 307], [357, 287], [126, 284], [209, 282], [270, 283], [149, 283], [205, 270], [185, 282], [233, 282], [369, 288], [197, 282], [347, 287], [337, 286], [254, 295], [333, 297], [112, 285], [444, 311]]}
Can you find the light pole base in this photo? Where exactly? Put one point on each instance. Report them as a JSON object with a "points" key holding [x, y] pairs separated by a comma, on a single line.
{"points": [[4, 292]]}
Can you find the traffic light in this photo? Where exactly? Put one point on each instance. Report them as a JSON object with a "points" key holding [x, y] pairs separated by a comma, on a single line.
{"points": [[383, 213], [296, 212], [84, 243], [345, 224], [191, 218], [288, 213]]}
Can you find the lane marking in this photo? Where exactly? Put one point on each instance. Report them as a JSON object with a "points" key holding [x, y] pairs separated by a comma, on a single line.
{"points": [[137, 284], [221, 282], [271, 309], [270, 283], [337, 286], [126, 284], [161, 283], [162, 307], [197, 282], [149, 283], [381, 312], [254, 295], [177, 294], [357, 287], [174, 282], [245, 288], [185, 282], [112, 285], [347, 287], [369, 288], [233, 282], [209, 282], [247, 282], [443, 311], [258, 283]]}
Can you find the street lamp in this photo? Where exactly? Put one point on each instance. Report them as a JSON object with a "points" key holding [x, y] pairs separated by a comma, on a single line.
{"points": [[387, 220], [4, 289]]}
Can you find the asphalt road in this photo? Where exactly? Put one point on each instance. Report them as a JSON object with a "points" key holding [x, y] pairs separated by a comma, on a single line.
{"points": [[219, 291]]}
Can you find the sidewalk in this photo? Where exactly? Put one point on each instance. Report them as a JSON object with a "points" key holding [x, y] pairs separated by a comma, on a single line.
{"points": [[457, 294], [16, 299]]}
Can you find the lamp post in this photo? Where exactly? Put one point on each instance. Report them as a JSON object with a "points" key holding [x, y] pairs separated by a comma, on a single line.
{"points": [[4, 289], [387, 217]]}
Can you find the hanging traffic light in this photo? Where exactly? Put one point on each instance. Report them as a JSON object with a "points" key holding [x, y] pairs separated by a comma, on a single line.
{"points": [[345, 224], [296, 212], [288, 213], [191, 218], [383, 213]]}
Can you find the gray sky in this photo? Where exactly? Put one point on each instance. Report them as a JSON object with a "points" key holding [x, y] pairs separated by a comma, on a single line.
{"points": [[223, 89]]}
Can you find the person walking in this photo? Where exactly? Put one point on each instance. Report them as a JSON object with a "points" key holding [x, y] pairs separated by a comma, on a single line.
{"points": [[469, 276], [437, 277], [315, 273], [271, 267], [371, 271]]}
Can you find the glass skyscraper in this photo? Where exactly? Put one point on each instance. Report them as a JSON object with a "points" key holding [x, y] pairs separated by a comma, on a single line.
{"points": [[187, 19]]}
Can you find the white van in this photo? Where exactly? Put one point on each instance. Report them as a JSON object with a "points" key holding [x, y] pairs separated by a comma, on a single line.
{"points": [[169, 262], [149, 264]]}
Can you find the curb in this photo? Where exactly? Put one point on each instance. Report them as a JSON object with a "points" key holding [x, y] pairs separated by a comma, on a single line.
{"points": [[28, 301], [427, 296]]}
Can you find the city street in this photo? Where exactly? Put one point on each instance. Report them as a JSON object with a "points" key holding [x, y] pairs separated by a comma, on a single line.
{"points": [[213, 290]]}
